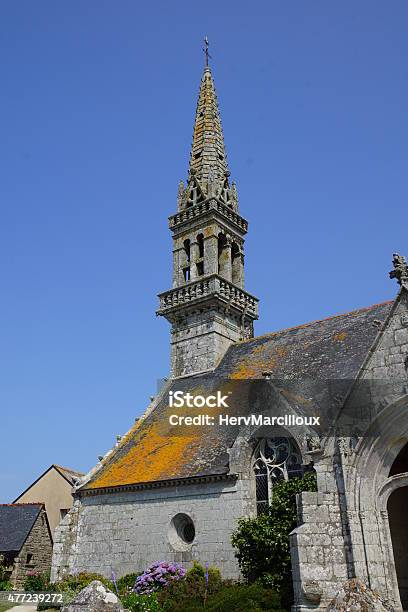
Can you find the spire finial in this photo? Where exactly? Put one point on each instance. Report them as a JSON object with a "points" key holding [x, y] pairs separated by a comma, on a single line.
{"points": [[206, 51]]}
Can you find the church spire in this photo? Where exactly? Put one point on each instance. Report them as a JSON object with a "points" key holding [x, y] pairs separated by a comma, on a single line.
{"points": [[208, 307], [208, 158]]}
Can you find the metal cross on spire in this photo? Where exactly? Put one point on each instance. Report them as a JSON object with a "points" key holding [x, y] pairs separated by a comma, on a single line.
{"points": [[206, 52]]}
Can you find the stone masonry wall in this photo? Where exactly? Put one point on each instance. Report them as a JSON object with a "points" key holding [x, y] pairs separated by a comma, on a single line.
{"points": [[39, 545], [128, 531], [389, 358], [341, 532], [318, 550], [201, 342]]}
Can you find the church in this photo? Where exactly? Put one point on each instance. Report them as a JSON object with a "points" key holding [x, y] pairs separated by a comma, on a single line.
{"points": [[175, 492]]}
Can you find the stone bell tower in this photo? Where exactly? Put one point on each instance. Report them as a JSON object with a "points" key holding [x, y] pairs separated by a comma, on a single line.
{"points": [[207, 307]]}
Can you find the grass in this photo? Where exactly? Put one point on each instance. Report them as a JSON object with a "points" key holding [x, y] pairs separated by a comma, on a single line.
{"points": [[4, 606]]}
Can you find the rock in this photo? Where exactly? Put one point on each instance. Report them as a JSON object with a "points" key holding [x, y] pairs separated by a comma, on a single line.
{"points": [[94, 598], [355, 596]]}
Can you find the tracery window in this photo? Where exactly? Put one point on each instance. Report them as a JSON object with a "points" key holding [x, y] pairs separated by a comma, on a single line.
{"points": [[275, 459]]}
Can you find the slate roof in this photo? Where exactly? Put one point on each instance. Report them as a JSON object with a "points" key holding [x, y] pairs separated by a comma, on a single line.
{"points": [[16, 522], [70, 475], [330, 349]]}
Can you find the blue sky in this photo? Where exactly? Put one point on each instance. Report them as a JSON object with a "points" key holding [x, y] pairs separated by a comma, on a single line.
{"points": [[97, 103]]}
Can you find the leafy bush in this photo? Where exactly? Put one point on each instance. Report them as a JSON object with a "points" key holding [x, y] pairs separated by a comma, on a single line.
{"points": [[262, 543], [127, 583], [197, 585], [5, 573], [36, 582], [157, 576], [244, 598], [77, 582], [229, 597], [6, 585], [136, 602]]}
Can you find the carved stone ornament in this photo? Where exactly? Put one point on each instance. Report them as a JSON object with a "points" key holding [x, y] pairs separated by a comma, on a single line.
{"points": [[312, 591], [313, 443], [400, 271]]}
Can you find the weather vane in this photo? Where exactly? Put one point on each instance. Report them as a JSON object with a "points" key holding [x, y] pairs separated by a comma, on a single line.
{"points": [[206, 52]]}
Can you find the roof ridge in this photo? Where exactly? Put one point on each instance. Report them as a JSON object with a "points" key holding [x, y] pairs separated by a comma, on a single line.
{"points": [[66, 469], [308, 324]]}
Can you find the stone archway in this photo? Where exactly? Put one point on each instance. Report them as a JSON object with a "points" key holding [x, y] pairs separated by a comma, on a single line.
{"points": [[397, 505], [397, 510], [374, 471]]}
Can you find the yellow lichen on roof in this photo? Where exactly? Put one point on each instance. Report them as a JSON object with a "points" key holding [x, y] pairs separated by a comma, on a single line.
{"points": [[257, 361], [340, 336], [155, 457], [152, 450]]}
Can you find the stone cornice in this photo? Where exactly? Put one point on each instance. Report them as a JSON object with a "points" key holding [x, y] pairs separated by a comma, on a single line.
{"points": [[203, 209], [157, 484]]}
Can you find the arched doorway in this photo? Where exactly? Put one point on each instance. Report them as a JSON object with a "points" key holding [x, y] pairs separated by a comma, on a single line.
{"points": [[397, 515]]}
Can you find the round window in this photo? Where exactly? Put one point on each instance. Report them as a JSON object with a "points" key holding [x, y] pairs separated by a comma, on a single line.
{"points": [[182, 531]]}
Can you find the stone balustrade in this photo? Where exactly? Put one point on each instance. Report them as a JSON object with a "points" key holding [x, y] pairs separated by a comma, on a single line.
{"points": [[213, 284]]}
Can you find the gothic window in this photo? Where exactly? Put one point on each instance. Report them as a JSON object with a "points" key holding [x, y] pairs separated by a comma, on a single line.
{"points": [[186, 266], [200, 255], [275, 459], [222, 242], [200, 241], [186, 245], [236, 264]]}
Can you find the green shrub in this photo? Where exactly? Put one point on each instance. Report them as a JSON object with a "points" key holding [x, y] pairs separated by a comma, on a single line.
{"points": [[262, 543], [229, 597], [194, 586], [77, 582], [136, 602], [36, 582], [244, 598], [6, 585], [126, 583]]}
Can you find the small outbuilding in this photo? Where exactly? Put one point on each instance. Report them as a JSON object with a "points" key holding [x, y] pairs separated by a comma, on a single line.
{"points": [[25, 541], [53, 488]]}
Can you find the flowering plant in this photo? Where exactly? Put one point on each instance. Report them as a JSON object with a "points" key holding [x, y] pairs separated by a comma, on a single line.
{"points": [[157, 576], [36, 582]]}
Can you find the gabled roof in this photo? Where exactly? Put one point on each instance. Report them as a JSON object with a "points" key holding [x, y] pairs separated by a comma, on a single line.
{"points": [[330, 349], [16, 522], [69, 475]]}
